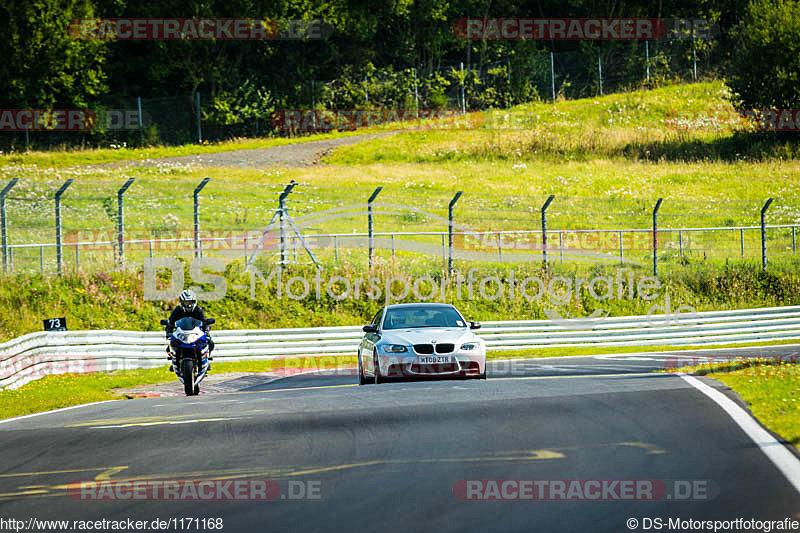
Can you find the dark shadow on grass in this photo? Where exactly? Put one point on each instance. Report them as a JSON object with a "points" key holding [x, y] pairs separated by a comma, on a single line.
{"points": [[740, 146]]}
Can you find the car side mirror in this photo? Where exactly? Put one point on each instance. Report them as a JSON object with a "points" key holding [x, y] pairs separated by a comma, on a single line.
{"points": [[164, 322], [370, 328], [474, 325], [209, 321]]}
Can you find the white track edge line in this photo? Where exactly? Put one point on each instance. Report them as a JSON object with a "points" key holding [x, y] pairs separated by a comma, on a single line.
{"points": [[781, 457], [56, 411]]}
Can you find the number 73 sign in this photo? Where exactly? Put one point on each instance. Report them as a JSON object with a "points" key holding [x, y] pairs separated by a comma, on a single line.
{"points": [[55, 324]]}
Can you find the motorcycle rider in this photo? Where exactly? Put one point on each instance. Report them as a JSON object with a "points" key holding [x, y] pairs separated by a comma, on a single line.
{"points": [[187, 307]]}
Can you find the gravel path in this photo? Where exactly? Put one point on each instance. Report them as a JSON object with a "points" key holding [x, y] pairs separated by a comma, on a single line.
{"points": [[289, 155]]}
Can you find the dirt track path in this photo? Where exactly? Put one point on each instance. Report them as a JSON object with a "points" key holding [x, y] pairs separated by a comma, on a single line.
{"points": [[289, 155]]}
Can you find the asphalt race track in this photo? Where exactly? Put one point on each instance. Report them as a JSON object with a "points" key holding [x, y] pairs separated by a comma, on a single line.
{"points": [[388, 457]]}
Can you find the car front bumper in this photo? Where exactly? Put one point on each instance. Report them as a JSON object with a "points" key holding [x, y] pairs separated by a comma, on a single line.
{"points": [[459, 364]]}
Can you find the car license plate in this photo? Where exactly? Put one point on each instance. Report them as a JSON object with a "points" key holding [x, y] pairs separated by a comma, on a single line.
{"points": [[434, 359]]}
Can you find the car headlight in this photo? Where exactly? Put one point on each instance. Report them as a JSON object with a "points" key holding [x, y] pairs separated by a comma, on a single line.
{"points": [[468, 346], [395, 348]]}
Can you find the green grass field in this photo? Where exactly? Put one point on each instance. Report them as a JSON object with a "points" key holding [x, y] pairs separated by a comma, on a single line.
{"points": [[770, 389]]}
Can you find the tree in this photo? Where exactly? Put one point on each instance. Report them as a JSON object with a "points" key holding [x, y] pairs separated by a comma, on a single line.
{"points": [[43, 66], [764, 71]]}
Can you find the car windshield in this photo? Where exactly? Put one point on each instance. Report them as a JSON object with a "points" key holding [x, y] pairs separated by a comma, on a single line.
{"points": [[422, 317], [188, 323]]}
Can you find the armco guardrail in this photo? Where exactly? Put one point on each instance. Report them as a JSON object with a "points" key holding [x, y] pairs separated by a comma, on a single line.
{"points": [[38, 354]]}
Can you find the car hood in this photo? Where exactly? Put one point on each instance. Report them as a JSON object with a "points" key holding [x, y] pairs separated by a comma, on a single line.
{"points": [[426, 335]]}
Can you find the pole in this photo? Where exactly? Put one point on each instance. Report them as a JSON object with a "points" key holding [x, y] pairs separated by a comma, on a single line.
{"points": [[121, 220], [139, 105], [59, 192], [281, 213], [655, 237], [794, 241], [374, 195], [450, 231], [694, 54], [197, 215], [3, 222], [764, 234], [199, 126], [416, 94], [741, 240], [621, 251], [680, 242], [647, 58], [600, 71], [552, 76], [463, 98], [544, 229]]}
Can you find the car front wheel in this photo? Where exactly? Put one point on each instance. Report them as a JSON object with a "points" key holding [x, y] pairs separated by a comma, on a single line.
{"points": [[376, 370], [361, 379]]}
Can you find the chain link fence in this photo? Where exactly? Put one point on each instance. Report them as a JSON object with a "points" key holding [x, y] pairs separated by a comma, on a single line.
{"points": [[236, 220]]}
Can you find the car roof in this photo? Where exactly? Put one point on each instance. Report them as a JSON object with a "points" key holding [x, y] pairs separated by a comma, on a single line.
{"points": [[418, 304]]}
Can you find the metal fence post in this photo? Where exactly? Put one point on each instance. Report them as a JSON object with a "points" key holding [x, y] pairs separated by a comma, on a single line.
{"points": [[141, 130], [41, 260], [450, 231], [463, 97], [694, 54], [600, 71], [680, 242], [647, 58], [561, 245], [544, 229], [199, 126], [59, 192], [621, 251], [3, 227], [655, 237], [794, 241], [764, 235], [121, 220], [372, 197], [197, 215], [741, 240], [416, 94], [281, 213], [552, 76]]}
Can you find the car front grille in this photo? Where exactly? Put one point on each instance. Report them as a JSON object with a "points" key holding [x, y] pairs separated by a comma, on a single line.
{"points": [[428, 349]]}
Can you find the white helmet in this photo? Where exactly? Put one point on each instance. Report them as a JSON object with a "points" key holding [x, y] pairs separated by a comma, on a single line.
{"points": [[188, 300]]}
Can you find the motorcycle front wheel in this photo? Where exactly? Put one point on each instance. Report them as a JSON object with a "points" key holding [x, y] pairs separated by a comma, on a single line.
{"points": [[188, 376]]}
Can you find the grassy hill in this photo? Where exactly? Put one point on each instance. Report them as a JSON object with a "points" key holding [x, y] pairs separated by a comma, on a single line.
{"points": [[606, 159]]}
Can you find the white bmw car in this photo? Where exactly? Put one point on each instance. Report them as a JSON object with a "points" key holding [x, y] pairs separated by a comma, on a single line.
{"points": [[420, 340]]}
